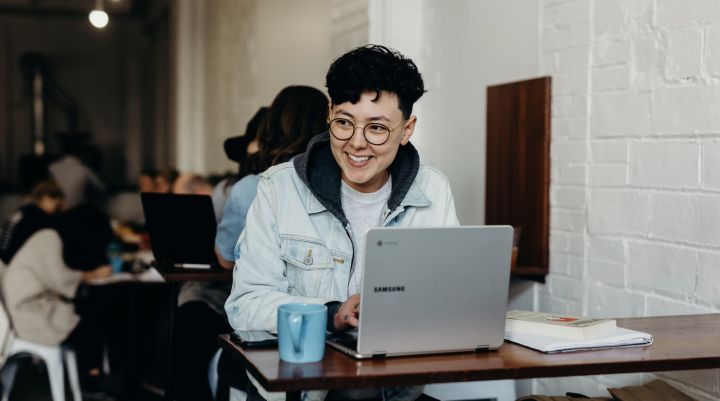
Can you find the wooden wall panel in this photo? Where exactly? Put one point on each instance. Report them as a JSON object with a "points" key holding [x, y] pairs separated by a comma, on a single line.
{"points": [[518, 167]]}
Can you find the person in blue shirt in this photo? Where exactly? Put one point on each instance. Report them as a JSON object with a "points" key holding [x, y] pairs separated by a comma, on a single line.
{"points": [[237, 149], [297, 114]]}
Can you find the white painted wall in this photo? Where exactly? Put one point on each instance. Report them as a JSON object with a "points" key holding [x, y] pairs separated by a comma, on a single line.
{"points": [[234, 57], [460, 47], [635, 224]]}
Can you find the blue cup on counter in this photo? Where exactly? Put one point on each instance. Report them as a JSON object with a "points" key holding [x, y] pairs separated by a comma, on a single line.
{"points": [[301, 332], [115, 256]]}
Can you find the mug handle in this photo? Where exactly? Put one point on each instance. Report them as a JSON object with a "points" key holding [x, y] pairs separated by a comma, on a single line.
{"points": [[295, 321]]}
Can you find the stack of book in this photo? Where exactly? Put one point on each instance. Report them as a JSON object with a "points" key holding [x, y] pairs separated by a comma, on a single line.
{"points": [[548, 332]]}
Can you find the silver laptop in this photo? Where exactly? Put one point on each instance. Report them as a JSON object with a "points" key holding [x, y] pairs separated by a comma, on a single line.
{"points": [[431, 290]]}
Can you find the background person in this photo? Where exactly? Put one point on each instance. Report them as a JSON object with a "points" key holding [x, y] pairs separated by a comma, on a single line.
{"points": [[146, 180], [297, 114], [42, 281], [237, 149], [295, 117], [44, 200], [191, 184], [77, 171], [165, 179]]}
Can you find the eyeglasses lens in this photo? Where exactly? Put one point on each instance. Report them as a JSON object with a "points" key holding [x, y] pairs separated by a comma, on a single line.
{"points": [[343, 129]]}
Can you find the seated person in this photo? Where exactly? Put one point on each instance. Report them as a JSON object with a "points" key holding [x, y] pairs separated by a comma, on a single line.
{"points": [[237, 149], [42, 280], [77, 171], [191, 184], [295, 117], [45, 199], [165, 179], [297, 114], [146, 180], [363, 173]]}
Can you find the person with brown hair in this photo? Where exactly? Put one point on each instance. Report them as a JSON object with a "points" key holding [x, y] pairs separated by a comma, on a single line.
{"points": [[40, 288], [297, 114], [191, 184], [165, 180], [146, 180], [237, 149], [45, 199]]}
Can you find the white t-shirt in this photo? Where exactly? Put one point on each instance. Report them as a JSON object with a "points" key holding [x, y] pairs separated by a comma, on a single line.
{"points": [[363, 211]]}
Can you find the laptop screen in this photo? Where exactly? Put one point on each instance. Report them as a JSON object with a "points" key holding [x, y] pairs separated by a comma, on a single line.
{"points": [[181, 228]]}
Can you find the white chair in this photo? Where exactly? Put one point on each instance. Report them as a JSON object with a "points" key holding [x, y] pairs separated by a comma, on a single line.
{"points": [[235, 394], [212, 373], [55, 358], [500, 390]]}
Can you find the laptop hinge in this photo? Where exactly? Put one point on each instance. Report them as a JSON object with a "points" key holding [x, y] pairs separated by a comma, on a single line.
{"points": [[379, 354], [481, 348]]}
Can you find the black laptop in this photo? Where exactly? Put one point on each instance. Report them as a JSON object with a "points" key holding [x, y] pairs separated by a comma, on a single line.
{"points": [[182, 230]]}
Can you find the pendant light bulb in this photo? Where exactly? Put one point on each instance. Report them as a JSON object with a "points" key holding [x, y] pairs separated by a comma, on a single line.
{"points": [[98, 16]]}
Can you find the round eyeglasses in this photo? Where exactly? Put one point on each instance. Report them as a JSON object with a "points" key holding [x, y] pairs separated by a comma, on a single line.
{"points": [[375, 133]]}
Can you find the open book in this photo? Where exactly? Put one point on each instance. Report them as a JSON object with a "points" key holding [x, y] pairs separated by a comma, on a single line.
{"points": [[617, 339]]}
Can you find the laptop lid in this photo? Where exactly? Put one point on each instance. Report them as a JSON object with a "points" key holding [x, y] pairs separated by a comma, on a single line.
{"points": [[181, 228], [428, 290]]}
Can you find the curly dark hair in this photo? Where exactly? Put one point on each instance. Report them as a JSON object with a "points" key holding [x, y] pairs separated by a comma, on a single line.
{"points": [[297, 114], [375, 68]]}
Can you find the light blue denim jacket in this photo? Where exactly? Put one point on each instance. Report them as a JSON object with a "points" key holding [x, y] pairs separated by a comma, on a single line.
{"points": [[296, 247]]}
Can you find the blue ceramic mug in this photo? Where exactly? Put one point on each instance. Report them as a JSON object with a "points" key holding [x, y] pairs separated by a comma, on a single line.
{"points": [[301, 332]]}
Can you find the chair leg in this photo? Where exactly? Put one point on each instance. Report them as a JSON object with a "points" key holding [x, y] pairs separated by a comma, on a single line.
{"points": [[56, 373], [73, 377], [212, 373], [8, 378]]}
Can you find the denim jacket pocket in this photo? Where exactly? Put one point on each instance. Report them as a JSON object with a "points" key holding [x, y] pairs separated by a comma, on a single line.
{"points": [[309, 267]]}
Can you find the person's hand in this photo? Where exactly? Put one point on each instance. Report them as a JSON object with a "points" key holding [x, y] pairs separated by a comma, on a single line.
{"points": [[101, 272], [348, 314]]}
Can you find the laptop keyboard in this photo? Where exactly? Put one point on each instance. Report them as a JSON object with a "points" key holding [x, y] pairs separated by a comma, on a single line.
{"points": [[342, 339], [352, 344]]}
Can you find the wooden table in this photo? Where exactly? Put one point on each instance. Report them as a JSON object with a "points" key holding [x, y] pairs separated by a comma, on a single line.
{"points": [[174, 276], [680, 343]]}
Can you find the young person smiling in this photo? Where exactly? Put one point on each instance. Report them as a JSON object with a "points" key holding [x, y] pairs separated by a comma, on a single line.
{"points": [[304, 236]]}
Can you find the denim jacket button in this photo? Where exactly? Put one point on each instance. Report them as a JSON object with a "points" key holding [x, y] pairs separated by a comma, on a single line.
{"points": [[308, 260]]}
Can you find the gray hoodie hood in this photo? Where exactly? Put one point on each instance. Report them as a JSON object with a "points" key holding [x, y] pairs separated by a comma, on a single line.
{"points": [[320, 172]]}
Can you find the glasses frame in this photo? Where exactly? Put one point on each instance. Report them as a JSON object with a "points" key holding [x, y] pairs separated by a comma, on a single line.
{"points": [[355, 127]]}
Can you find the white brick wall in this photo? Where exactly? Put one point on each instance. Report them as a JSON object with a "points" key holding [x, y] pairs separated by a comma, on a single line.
{"points": [[684, 54], [635, 192], [665, 164]]}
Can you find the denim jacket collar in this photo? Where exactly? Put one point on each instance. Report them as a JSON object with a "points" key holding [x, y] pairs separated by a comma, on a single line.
{"points": [[318, 169]]}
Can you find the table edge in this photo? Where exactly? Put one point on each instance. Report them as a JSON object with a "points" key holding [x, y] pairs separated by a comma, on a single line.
{"points": [[589, 369]]}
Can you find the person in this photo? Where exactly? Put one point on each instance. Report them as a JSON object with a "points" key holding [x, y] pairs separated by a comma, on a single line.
{"points": [[165, 179], [42, 280], [76, 171], [293, 120], [297, 114], [191, 184], [146, 180], [362, 173], [44, 200], [237, 149]]}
